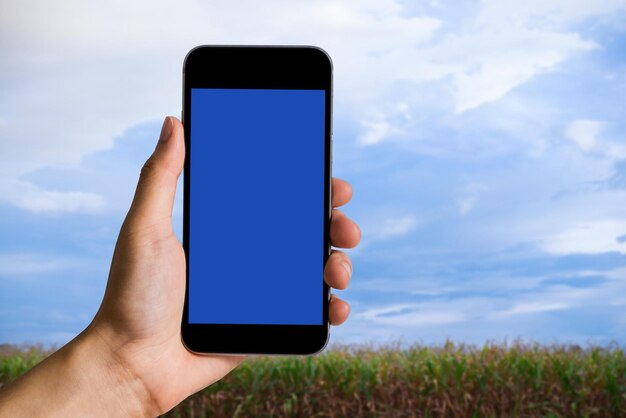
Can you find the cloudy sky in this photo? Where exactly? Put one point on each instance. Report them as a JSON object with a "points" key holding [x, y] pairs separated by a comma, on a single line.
{"points": [[486, 142]]}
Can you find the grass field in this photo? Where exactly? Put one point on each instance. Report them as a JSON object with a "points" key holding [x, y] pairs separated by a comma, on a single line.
{"points": [[449, 381]]}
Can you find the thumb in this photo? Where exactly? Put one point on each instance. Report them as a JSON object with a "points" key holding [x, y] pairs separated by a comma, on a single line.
{"points": [[154, 197]]}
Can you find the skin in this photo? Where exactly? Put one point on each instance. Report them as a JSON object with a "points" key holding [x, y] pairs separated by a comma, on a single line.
{"points": [[130, 360]]}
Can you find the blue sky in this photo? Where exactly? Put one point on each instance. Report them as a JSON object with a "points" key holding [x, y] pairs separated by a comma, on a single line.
{"points": [[486, 142]]}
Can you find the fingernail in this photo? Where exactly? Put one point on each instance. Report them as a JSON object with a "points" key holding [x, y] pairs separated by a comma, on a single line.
{"points": [[166, 129], [348, 267]]}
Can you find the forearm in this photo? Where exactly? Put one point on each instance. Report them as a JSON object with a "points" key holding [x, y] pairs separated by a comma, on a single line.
{"points": [[79, 380]]}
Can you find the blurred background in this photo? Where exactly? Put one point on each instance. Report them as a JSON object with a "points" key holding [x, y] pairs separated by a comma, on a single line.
{"points": [[486, 142]]}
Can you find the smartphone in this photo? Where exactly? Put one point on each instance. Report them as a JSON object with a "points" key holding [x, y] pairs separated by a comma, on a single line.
{"points": [[257, 187]]}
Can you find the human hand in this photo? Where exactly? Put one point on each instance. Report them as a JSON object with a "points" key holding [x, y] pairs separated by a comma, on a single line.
{"points": [[130, 361], [139, 319]]}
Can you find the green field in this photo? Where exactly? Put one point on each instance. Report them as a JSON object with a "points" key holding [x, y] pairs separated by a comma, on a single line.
{"points": [[449, 381]]}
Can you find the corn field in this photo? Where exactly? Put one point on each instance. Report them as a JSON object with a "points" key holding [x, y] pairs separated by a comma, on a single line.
{"points": [[453, 380]]}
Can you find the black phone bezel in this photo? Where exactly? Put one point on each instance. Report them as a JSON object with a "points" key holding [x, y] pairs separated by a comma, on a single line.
{"points": [[257, 67]]}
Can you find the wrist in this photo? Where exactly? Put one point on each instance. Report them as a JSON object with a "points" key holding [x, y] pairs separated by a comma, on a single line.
{"points": [[116, 386], [84, 378]]}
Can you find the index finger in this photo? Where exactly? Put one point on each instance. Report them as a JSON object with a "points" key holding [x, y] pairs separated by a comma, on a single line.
{"points": [[342, 192]]}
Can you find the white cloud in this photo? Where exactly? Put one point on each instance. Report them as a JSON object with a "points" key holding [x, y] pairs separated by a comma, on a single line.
{"points": [[32, 198], [561, 297], [73, 81], [587, 134], [525, 308], [519, 40], [375, 130], [385, 125], [519, 307], [584, 133], [466, 202], [592, 237], [483, 60], [504, 59], [381, 230], [393, 227], [17, 265], [551, 13], [613, 150], [406, 315], [70, 87]]}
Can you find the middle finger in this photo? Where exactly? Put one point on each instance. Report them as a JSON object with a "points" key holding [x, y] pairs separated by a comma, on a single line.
{"points": [[344, 233]]}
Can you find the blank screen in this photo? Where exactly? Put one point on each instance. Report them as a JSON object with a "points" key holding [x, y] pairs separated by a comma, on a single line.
{"points": [[256, 206]]}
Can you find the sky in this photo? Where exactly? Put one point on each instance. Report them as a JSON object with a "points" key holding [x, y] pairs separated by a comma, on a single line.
{"points": [[485, 140]]}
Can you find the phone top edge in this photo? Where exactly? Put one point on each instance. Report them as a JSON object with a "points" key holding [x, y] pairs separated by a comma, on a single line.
{"points": [[259, 46]]}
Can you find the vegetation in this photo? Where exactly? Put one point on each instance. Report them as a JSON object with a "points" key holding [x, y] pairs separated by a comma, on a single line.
{"points": [[450, 381]]}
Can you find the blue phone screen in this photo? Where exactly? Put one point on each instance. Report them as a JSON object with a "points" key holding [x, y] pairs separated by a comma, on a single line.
{"points": [[256, 206]]}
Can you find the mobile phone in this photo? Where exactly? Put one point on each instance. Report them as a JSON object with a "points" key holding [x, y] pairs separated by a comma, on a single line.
{"points": [[257, 196]]}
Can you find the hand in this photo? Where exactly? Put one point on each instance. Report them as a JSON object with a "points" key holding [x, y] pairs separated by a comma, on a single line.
{"points": [[140, 315], [136, 332]]}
